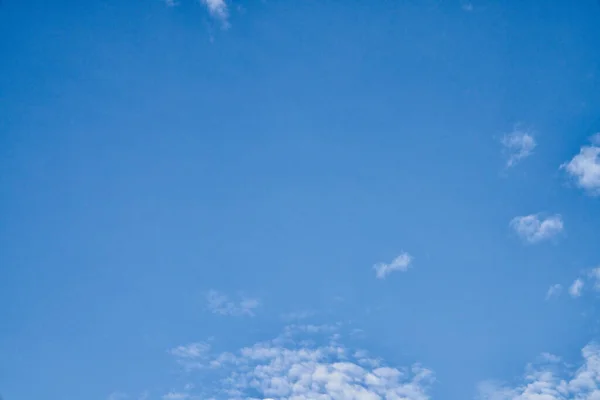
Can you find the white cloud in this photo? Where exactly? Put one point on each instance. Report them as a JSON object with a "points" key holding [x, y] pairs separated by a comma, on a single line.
{"points": [[294, 367], [576, 288], [554, 291], [171, 3], [191, 351], [533, 228], [518, 145], [218, 9], [467, 7], [285, 368], [219, 303], [550, 380], [192, 356], [400, 263], [584, 167]]}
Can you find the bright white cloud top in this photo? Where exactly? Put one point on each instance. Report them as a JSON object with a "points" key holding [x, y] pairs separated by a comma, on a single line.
{"points": [[584, 167], [534, 228], [518, 145], [400, 263]]}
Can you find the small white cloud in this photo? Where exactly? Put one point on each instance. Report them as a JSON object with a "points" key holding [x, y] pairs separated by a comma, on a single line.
{"points": [[400, 263], [549, 358], [554, 291], [190, 351], [518, 145], [218, 303], [576, 288], [584, 167], [171, 3], [467, 7], [533, 229], [218, 9]]}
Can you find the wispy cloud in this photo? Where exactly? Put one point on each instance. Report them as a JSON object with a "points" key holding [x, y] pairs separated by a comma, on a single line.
{"points": [[550, 380], [298, 315], [518, 145], [594, 276], [191, 351], [584, 167], [192, 356], [219, 10], [554, 291], [400, 263], [219, 303], [576, 288], [118, 396], [534, 228], [176, 396]]}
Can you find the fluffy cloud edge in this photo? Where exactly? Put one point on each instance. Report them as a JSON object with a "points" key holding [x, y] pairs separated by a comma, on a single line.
{"points": [[535, 228]]}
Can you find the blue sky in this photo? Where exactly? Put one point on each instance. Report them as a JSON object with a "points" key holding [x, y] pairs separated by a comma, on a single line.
{"points": [[307, 200]]}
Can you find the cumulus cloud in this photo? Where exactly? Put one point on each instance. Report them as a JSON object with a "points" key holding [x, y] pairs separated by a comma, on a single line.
{"points": [[292, 367], [554, 291], [400, 263], [518, 145], [219, 303], [218, 9], [576, 288], [550, 380], [584, 167], [534, 228]]}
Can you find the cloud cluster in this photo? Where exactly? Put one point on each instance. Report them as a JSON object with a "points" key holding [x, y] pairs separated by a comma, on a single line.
{"points": [[400, 263], [534, 228], [219, 303], [518, 145], [292, 367], [584, 167], [552, 380]]}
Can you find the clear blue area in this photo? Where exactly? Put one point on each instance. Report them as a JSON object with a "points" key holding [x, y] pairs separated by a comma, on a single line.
{"points": [[147, 156]]}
